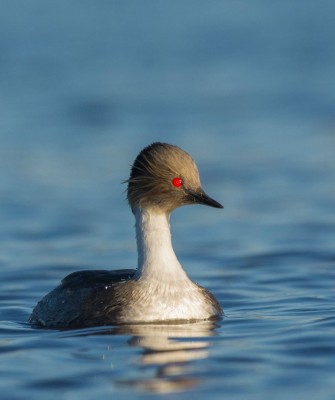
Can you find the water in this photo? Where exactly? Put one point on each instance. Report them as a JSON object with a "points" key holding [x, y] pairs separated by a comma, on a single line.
{"points": [[248, 89]]}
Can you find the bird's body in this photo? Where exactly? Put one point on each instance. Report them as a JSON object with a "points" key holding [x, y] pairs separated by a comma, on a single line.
{"points": [[163, 177]]}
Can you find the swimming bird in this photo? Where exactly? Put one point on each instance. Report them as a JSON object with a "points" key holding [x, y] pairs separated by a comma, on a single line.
{"points": [[162, 178]]}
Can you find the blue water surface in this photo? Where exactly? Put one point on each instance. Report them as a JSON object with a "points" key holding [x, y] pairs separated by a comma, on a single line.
{"points": [[248, 89]]}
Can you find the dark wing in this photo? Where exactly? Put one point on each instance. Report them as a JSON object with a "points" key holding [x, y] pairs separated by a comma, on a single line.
{"points": [[83, 299], [85, 279]]}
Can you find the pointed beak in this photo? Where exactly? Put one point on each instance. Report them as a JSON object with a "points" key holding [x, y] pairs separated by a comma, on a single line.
{"points": [[200, 197]]}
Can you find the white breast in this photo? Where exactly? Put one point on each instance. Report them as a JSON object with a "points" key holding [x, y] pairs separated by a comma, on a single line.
{"points": [[163, 289]]}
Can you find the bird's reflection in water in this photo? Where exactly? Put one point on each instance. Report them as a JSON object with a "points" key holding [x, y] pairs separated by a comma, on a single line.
{"points": [[168, 348], [167, 353]]}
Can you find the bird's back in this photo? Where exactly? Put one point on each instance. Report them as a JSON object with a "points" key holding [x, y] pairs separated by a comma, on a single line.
{"points": [[84, 298]]}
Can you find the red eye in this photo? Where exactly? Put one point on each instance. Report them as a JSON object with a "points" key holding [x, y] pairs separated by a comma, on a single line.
{"points": [[177, 182]]}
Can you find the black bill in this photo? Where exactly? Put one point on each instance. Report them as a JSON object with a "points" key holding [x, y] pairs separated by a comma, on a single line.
{"points": [[200, 197]]}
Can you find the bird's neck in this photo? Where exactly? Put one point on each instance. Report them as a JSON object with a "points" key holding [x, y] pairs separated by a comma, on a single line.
{"points": [[156, 258]]}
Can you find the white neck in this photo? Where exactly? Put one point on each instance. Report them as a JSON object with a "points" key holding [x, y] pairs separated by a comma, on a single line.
{"points": [[156, 258]]}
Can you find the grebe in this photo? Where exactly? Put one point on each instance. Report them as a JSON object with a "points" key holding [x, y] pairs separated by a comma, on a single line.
{"points": [[163, 177]]}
